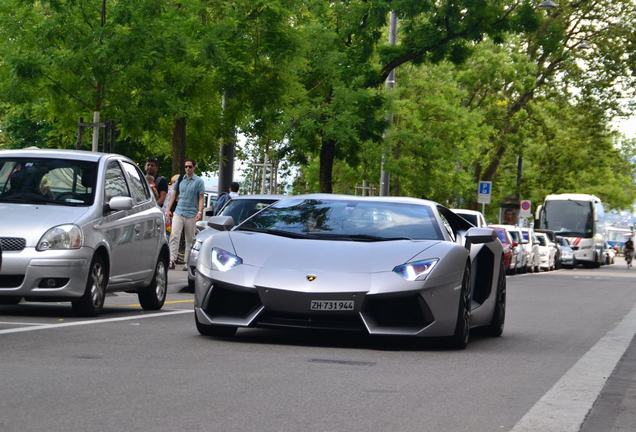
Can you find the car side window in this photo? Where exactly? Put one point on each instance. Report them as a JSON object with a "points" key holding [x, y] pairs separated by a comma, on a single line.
{"points": [[447, 225], [138, 187], [115, 183]]}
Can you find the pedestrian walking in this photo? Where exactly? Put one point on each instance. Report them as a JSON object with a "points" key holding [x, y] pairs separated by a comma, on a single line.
{"points": [[189, 210], [161, 184]]}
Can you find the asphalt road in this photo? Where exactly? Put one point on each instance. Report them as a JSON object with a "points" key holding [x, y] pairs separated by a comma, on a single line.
{"points": [[134, 371]]}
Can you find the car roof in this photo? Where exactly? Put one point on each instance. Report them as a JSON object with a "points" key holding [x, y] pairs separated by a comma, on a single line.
{"points": [[59, 154], [467, 211]]}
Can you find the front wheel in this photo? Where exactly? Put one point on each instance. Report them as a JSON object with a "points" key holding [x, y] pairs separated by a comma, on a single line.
{"points": [[92, 302], [153, 296], [496, 326], [459, 340]]}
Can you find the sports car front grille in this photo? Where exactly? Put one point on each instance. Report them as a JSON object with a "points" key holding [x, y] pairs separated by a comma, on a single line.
{"points": [[321, 322], [227, 301], [398, 312], [12, 243]]}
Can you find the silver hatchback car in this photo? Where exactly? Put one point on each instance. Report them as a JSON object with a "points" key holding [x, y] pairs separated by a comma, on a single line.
{"points": [[75, 225]]}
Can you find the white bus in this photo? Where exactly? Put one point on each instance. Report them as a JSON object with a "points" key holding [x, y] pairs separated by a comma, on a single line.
{"points": [[581, 219]]}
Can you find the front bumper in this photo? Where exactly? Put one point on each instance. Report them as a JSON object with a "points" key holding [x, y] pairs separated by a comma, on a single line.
{"points": [[52, 274], [429, 311]]}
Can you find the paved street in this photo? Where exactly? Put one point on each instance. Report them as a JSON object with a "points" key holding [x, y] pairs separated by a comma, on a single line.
{"points": [[139, 371]]}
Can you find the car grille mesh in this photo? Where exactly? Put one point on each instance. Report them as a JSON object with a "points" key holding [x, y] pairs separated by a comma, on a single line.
{"points": [[12, 243]]}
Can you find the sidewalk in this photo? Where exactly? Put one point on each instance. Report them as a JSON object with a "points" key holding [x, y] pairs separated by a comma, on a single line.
{"points": [[615, 408]]}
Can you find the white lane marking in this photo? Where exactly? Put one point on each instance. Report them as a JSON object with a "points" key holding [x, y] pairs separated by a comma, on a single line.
{"points": [[564, 407], [98, 321], [20, 323]]}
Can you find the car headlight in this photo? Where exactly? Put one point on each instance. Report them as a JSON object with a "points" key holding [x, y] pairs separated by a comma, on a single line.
{"points": [[61, 237], [223, 260], [416, 270], [197, 245]]}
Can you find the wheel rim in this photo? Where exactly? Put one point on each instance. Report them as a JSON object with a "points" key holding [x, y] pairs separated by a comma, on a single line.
{"points": [[160, 278], [97, 284], [466, 311]]}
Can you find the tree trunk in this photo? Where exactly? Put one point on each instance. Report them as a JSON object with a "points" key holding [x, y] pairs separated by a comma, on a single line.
{"points": [[327, 156], [178, 144]]}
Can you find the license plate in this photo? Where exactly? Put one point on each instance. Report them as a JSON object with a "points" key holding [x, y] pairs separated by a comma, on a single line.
{"points": [[332, 305]]}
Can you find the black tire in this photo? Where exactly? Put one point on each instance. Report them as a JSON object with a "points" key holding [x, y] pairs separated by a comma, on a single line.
{"points": [[92, 302], [496, 326], [153, 296], [10, 300], [190, 285], [459, 340], [214, 330]]}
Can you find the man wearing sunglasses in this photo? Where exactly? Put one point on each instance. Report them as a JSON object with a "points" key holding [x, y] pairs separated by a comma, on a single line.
{"points": [[189, 210]]}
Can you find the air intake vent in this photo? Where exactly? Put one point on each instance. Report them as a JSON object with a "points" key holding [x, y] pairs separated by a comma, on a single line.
{"points": [[12, 243]]}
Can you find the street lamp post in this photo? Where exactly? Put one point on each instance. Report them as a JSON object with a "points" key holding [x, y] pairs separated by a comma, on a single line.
{"points": [[390, 83]]}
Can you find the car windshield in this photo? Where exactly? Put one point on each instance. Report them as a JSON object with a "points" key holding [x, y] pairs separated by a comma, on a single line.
{"points": [[47, 181], [568, 218], [542, 241], [502, 236], [340, 219], [241, 209], [515, 236]]}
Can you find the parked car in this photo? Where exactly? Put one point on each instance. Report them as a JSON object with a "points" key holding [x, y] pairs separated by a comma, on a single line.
{"points": [[567, 254], [518, 250], [75, 225], [547, 252], [610, 254], [239, 208], [531, 245], [510, 255], [473, 216], [553, 243], [382, 266]]}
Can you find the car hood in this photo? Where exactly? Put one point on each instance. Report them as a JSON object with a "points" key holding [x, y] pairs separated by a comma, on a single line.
{"points": [[264, 250], [32, 221]]}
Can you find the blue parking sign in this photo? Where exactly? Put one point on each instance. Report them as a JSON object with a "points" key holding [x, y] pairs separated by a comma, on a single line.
{"points": [[484, 191]]}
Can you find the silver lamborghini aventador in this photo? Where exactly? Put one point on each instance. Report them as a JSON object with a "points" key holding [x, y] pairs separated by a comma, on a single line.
{"points": [[379, 265]]}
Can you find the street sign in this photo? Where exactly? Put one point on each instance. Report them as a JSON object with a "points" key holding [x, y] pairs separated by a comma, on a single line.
{"points": [[483, 193], [525, 208]]}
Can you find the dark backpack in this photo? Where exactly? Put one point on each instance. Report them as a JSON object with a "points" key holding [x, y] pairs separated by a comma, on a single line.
{"points": [[176, 191], [220, 202]]}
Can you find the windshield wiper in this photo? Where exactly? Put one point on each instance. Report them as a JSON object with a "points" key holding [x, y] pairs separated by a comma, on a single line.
{"points": [[275, 232], [24, 200], [358, 237]]}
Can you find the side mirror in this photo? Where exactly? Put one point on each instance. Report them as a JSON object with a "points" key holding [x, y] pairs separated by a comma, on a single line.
{"points": [[221, 223], [479, 235], [120, 203]]}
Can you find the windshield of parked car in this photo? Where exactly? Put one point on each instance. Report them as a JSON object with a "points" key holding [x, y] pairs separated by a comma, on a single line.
{"points": [[515, 236], [340, 219], [542, 240], [47, 181], [502, 235], [241, 209]]}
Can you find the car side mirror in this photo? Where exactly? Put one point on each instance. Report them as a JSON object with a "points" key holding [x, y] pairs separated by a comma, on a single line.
{"points": [[479, 235], [119, 203], [221, 223]]}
